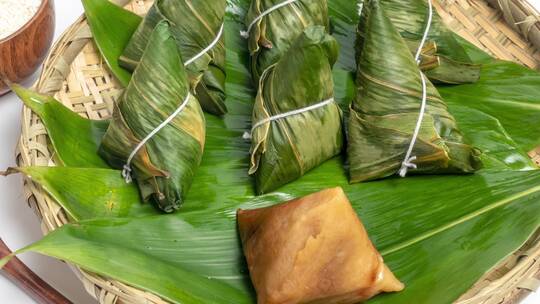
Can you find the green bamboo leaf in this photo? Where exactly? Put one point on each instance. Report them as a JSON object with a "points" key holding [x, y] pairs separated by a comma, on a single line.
{"points": [[165, 165], [74, 138], [500, 151], [469, 227], [108, 196], [111, 39], [385, 112], [195, 25], [508, 92], [196, 287], [344, 20], [282, 150]]}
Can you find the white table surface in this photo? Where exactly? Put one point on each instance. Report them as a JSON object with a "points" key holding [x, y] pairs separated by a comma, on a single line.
{"points": [[18, 224]]}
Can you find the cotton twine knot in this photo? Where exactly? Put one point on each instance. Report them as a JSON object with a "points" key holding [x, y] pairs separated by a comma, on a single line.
{"points": [[406, 165], [244, 34], [247, 135], [126, 174]]}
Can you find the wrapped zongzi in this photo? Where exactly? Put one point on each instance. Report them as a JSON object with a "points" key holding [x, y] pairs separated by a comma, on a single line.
{"points": [[165, 165], [443, 59], [197, 26], [312, 250], [386, 110], [296, 123], [274, 25]]}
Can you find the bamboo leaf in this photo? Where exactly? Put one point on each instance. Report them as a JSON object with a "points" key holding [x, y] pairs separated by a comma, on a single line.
{"points": [[197, 288], [500, 151], [466, 240], [112, 40], [74, 138], [508, 92], [108, 195]]}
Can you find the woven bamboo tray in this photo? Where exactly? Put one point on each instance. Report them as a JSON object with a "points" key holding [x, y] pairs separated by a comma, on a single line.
{"points": [[77, 76]]}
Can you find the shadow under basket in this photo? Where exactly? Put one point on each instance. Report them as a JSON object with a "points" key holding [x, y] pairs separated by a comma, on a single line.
{"points": [[77, 76]]}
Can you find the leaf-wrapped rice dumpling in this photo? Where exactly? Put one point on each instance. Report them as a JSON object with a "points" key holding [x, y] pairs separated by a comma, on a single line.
{"points": [[312, 249], [443, 59], [272, 35], [195, 24], [386, 110], [165, 165], [285, 145]]}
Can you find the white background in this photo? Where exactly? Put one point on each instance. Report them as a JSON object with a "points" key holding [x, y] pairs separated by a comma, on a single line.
{"points": [[18, 224]]}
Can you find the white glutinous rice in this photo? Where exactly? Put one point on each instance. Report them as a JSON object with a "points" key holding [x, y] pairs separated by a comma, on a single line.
{"points": [[14, 14]]}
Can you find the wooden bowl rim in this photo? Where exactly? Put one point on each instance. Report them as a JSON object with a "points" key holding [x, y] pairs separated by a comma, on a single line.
{"points": [[39, 12]]}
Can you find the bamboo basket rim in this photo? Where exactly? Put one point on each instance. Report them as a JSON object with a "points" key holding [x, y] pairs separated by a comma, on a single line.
{"points": [[74, 62]]}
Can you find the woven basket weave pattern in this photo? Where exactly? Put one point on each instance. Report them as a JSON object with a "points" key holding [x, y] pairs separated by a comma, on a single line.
{"points": [[486, 28], [76, 75]]}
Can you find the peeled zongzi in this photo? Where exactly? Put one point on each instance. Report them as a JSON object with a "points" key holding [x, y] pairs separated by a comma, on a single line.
{"points": [[165, 165], [196, 25], [386, 110], [271, 35], [296, 123], [312, 250]]}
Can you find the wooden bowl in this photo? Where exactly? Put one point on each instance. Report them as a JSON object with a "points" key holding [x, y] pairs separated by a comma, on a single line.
{"points": [[22, 52]]}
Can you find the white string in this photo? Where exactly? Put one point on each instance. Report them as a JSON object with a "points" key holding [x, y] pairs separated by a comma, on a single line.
{"points": [[245, 33], [408, 162], [208, 48], [247, 135], [126, 172]]}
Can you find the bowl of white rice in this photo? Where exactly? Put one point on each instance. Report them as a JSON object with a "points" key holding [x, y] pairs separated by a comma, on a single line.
{"points": [[26, 33]]}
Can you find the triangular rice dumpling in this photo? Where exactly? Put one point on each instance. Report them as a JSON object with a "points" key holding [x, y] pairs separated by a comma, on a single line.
{"points": [[312, 250], [195, 24], [386, 109], [443, 59], [271, 36], [284, 149], [165, 166]]}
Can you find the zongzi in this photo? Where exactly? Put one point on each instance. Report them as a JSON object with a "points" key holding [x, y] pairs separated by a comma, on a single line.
{"points": [[164, 166], [386, 110], [443, 59], [296, 123], [197, 26], [274, 25], [312, 250]]}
